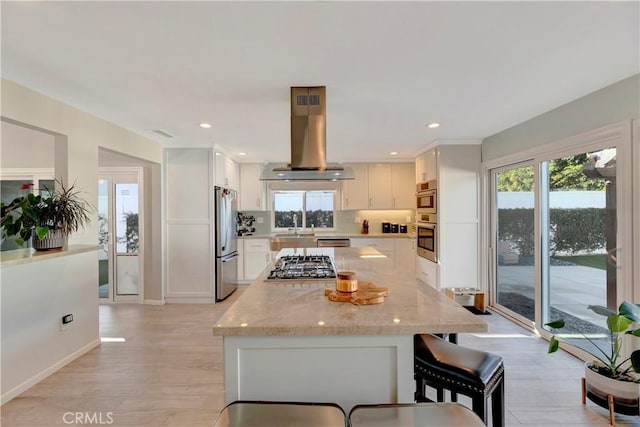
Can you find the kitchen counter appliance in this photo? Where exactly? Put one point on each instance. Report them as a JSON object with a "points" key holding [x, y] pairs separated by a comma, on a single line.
{"points": [[303, 267]]}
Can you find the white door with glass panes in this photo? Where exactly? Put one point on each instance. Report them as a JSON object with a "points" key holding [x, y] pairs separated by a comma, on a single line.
{"points": [[119, 234]]}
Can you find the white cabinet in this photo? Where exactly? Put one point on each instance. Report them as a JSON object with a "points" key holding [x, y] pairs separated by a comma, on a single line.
{"points": [[458, 230], [251, 189], [402, 185], [405, 254], [189, 225], [257, 255], [427, 166], [355, 192], [379, 186], [226, 171], [427, 271]]}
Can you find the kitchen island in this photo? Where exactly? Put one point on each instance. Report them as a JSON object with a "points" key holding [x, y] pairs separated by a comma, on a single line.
{"points": [[286, 341]]}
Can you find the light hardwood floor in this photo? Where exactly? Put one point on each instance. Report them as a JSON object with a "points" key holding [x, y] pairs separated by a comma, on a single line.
{"points": [[169, 373]]}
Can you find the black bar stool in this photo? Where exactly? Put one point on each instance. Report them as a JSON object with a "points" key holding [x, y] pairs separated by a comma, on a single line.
{"points": [[477, 374]]}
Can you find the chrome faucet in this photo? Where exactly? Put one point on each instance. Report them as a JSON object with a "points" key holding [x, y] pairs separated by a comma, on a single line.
{"points": [[295, 224]]}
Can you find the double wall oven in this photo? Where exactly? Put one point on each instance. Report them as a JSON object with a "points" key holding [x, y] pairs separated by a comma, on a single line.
{"points": [[427, 220]]}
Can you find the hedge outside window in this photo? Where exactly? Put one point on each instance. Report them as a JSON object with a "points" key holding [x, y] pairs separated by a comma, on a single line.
{"points": [[312, 209]]}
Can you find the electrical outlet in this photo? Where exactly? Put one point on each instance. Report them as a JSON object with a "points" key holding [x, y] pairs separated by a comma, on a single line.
{"points": [[357, 220], [260, 220], [65, 321], [408, 218]]}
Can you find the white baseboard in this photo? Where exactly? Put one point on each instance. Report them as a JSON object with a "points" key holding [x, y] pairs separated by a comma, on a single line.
{"points": [[154, 301], [45, 373], [189, 300]]}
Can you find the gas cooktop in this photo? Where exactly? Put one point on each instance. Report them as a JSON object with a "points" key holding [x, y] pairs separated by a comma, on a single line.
{"points": [[303, 267]]}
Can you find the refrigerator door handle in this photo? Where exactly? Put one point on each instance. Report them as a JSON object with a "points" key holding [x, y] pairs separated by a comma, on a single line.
{"points": [[230, 257], [223, 222]]}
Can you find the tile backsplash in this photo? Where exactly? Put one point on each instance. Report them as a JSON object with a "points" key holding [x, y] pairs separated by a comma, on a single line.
{"points": [[345, 220]]}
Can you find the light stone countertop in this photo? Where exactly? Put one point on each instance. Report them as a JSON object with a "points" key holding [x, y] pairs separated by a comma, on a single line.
{"points": [[298, 308], [29, 255]]}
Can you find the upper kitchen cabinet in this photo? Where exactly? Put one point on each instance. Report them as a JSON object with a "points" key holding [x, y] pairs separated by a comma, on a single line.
{"points": [[252, 190], [355, 193], [403, 189], [427, 166], [226, 171], [379, 186]]}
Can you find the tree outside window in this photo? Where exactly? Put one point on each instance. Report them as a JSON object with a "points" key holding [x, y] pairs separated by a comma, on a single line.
{"points": [[309, 208]]}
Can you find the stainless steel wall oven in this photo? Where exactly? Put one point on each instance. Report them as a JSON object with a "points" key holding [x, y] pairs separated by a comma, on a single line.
{"points": [[426, 235]]}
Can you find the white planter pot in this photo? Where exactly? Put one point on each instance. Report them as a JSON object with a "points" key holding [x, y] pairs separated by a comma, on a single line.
{"points": [[54, 240], [626, 395]]}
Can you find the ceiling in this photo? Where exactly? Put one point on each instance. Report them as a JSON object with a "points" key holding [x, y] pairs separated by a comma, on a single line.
{"points": [[389, 67]]}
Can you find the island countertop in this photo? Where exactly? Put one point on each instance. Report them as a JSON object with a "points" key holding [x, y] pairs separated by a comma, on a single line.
{"points": [[299, 308]]}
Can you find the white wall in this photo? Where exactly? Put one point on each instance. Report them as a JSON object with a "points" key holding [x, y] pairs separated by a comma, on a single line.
{"points": [[84, 134], [21, 147], [617, 102], [35, 296]]}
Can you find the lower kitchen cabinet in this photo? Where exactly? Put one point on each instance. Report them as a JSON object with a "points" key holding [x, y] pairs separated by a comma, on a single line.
{"points": [[405, 254], [256, 255], [427, 271]]}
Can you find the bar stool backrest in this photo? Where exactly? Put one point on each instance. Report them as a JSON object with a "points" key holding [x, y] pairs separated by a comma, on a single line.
{"points": [[281, 414], [414, 414]]}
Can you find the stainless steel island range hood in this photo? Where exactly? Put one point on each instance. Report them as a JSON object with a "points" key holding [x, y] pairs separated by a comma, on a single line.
{"points": [[308, 142]]}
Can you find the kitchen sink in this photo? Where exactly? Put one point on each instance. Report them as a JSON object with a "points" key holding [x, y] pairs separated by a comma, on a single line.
{"points": [[281, 241], [295, 236]]}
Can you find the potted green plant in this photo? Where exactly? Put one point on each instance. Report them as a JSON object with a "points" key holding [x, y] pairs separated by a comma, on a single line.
{"points": [[610, 373], [48, 219]]}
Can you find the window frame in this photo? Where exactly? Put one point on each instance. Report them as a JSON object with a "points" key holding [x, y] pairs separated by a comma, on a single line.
{"points": [[304, 188]]}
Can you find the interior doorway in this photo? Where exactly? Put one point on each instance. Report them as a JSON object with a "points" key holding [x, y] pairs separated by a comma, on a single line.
{"points": [[120, 234]]}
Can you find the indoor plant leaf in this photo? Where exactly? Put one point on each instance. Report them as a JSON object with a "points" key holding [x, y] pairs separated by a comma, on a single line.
{"points": [[617, 323], [556, 324], [630, 311], [635, 332], [554, 345], [635, 360], [601, 310], [42, 232]]}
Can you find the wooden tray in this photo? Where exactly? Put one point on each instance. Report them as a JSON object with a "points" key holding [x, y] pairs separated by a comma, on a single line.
{"points": [[367, 293]]}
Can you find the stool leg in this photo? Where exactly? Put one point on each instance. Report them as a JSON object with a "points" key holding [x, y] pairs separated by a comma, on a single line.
{"points": [[440, 393], [454, 396], [479, 405], [497, 404]]}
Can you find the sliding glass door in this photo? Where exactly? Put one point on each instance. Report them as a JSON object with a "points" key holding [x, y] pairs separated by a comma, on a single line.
{"points": [[515, 273], [555, 236], [578, 216]]}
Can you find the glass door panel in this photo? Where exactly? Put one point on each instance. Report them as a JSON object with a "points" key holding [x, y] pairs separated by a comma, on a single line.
{"points": [[119, 237], [127, 239], [578, 211], [514, 224], [104, 288]]}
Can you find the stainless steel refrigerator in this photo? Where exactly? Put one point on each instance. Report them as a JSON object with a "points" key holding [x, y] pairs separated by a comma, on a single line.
{"points": [[226, 247]]}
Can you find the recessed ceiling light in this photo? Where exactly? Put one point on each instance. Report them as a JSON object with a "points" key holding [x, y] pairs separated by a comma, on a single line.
{"points": [[242, 153], [205, 125], [393, 153], [433, 125]]}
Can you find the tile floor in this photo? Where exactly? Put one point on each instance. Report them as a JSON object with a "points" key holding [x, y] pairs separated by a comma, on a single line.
{"points": [[168, 372]]}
